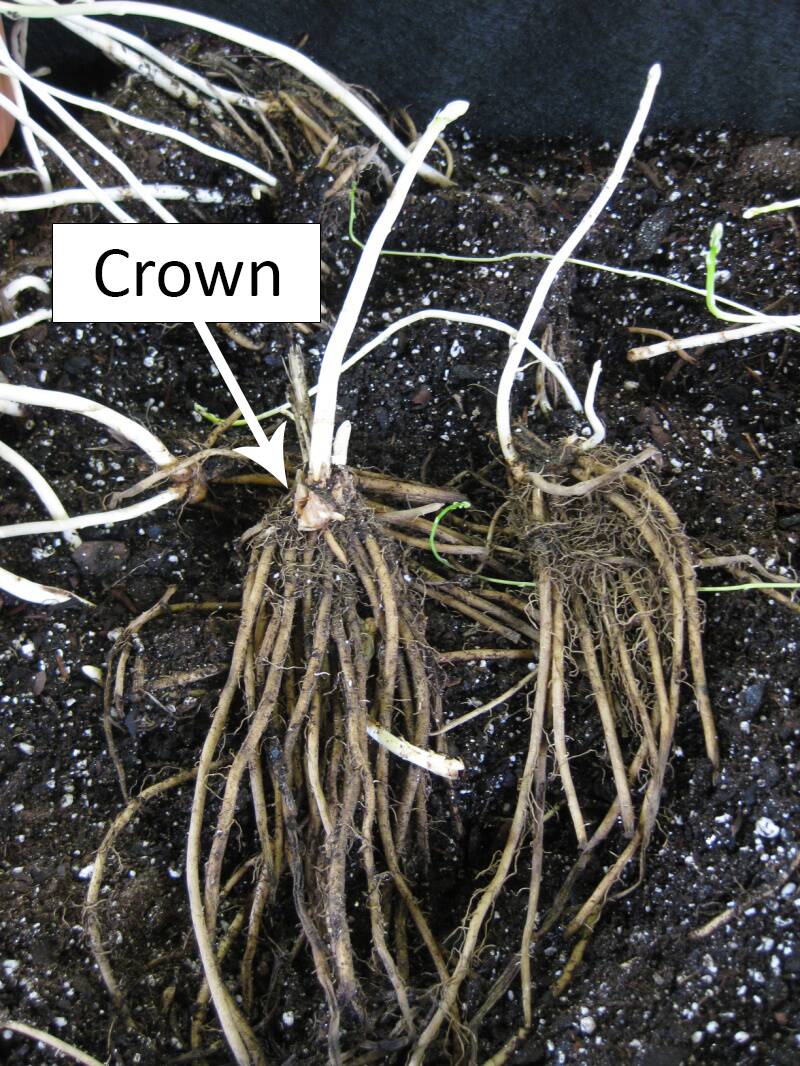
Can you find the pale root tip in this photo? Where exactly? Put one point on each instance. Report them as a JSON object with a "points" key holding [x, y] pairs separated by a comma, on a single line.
{"points": [[455, 109], [341, 442], [654, 74]]}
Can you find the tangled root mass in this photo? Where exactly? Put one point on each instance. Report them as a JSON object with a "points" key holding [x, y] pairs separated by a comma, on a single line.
{"points": [[329, 652], [298, 810]]}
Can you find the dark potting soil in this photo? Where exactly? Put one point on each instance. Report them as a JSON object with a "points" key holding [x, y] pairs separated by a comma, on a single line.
{"points": [[422, 406]]}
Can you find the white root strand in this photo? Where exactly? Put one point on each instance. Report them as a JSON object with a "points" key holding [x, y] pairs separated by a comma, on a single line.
{"points": [[507, 378], [80, 405], [322, 427], [41, 487]]}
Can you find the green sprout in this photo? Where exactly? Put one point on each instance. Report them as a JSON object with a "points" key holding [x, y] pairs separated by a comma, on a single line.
{"points": [[714, 246], [458, 505], [215, 420]]}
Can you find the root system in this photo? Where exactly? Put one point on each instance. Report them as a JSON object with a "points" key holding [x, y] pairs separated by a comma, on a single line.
{"points": [[330, 651], [315, 774], [619, 629], [312, 789]]}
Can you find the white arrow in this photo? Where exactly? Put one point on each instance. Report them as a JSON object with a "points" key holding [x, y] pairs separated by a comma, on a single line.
{"points": [[268, 453]]}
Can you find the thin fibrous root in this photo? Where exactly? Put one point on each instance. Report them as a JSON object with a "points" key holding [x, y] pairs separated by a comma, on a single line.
{"points": [[112, 834], [520, 822]]}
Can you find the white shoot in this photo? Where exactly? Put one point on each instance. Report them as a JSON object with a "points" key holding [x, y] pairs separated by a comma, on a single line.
{"points": [[33, 591], [99, 518], [168, 133], [701, 340], [62, 197], [598, 429], [341, 442], [40, 486], [262, 45], [322, 428], [432, 761], [119, 424], [767, 209], [503, 410]]}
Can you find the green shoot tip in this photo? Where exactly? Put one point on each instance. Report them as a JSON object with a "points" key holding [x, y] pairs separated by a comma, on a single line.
{"points": [[458, 505]]}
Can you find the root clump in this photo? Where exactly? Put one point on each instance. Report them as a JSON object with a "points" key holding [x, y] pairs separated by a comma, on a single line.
{"points": [[615, 599], [302, 806], [330, 652]]}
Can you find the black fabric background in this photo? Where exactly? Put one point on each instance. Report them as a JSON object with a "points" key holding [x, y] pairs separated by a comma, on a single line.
{"points": [[529, 67]]}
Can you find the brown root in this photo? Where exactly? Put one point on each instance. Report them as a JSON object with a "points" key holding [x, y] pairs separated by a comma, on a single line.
{"points": [[312, 790], [618, 617]]}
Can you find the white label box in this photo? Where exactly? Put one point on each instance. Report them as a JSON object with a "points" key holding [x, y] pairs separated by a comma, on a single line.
{"points": [[157, 272]]}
